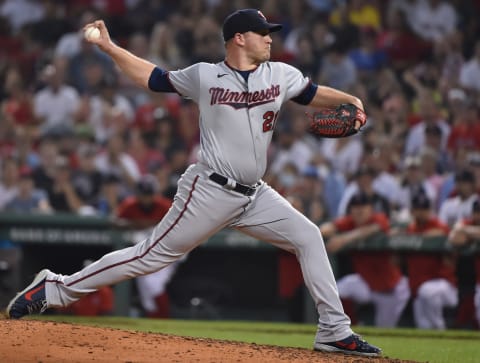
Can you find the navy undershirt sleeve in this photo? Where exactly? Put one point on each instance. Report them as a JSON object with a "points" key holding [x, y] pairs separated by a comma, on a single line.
{"points": [[306, 96], [159, 81]]}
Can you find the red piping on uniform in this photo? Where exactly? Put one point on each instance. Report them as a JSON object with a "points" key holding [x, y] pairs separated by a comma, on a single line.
{"points": [[149, 248]]}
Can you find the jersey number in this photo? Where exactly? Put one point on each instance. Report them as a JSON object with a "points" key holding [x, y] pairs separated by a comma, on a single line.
{"points": [[269, 120]]}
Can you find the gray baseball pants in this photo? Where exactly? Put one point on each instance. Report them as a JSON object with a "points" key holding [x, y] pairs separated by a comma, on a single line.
{"points": [[200, 209]]}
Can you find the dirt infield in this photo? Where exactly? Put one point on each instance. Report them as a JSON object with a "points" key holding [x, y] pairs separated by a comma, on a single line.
{"points": [[39, 341]]}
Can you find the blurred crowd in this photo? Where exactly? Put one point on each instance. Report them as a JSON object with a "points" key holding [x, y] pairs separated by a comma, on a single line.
{"points": [[76, 136]]}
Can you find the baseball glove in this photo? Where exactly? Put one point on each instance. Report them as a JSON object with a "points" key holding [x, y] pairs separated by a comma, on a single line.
{"points": [[337, 122]]}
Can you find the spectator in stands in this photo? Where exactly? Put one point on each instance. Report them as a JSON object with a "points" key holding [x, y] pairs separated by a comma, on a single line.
{"points": [[414, 182], [364, 183], [337, 69], [432, 175], [86, 179], [465, 232], [163, 49], [9, 181], [344, 31], [391, 121], [141, 213], [345, 154], [459, 206], [43, 173], [463, 161], [287, 178], [61, 193], [110, 112], [291, 151], [146, 157], [166, 138], [402, 47], [115, 160], [434, 141], [465, 133], [309, 192], [88, 68], [111, 195], [430, 115], [449, 54], [473, 164], [56, 103], [208, 43], [470, 72], [376, 278], [433, 20], [383, 159], [157, 107], [361, 13], [21, 12], [367, 57], [310, 48], [188, 133], [431, 275], [456, 99], [46, 31], [16, 108], [28, 199], [331, 183]]}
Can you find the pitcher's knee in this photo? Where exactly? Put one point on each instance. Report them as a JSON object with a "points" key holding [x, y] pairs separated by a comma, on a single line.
{"points": [[307, 236]]}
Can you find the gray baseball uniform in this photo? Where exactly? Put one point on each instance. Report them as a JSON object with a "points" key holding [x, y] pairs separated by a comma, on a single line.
{"points": [[237, 119]]}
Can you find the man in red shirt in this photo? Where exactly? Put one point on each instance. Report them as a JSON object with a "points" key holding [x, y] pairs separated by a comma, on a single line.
{"points": [[431, 275], [468, 231], [376, 278], [146, 208], [142, 212]]}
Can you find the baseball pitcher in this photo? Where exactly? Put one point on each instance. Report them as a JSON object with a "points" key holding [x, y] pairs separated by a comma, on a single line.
{"points": [[239, 100]]}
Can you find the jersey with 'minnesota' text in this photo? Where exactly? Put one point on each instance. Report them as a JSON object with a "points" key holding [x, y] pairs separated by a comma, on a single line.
{"points": [[238, 116]]}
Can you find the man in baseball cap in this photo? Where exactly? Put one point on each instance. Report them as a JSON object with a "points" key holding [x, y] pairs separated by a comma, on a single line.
{"points": [[245, 20]]}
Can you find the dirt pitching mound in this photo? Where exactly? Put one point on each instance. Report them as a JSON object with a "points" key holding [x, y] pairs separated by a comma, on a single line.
{"points": [[40, 341]]}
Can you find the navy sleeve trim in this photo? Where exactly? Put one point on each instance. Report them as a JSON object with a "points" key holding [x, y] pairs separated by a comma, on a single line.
{"points": [[159, 81], [306, 96]]}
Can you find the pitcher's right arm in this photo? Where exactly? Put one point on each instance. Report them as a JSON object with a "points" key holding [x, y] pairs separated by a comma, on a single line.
{"points": [[136, 68]]}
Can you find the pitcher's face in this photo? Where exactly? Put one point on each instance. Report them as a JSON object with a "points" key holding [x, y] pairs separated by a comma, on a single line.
{"points": [[258, 45]]}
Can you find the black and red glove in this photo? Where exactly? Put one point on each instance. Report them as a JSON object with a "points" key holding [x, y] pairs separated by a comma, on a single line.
{"points": [[338, 122]]}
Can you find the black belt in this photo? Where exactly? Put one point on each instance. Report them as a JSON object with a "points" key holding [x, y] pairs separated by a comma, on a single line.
{"points": [[237, 187]]}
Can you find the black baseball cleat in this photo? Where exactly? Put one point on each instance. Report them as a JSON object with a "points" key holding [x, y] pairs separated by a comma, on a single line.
{"points": [[32, 300], [352, 344]]}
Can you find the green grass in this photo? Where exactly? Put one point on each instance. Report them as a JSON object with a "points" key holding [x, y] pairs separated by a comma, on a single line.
{"points": [[419, 345]]}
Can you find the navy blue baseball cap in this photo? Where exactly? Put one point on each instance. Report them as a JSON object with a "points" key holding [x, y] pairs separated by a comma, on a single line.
{"points": [[245, 20]]}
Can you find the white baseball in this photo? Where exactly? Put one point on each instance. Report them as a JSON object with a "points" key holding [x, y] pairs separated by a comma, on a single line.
{"points": [[92, 33]]}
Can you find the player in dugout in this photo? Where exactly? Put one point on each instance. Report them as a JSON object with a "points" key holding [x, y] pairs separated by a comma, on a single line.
{"points": [[431, 274], [239, 101], [377, 277], [467, 232]]}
